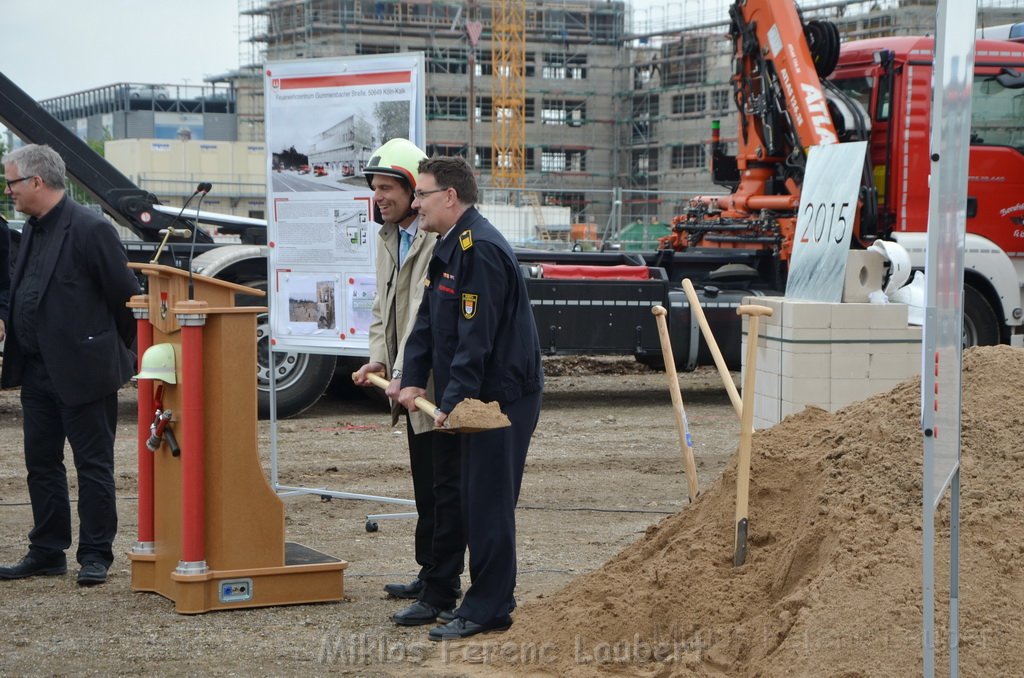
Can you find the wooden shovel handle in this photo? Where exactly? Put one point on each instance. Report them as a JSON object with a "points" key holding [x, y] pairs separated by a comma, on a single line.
{"points": [[754, 309], [677, 402], [716, 353], [422, 404]]}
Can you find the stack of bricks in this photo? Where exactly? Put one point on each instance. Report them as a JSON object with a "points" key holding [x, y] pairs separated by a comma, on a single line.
{"points": [[828, 355]]}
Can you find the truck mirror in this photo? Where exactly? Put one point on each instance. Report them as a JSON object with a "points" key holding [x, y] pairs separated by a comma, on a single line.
{"points": [[1010, 78]]}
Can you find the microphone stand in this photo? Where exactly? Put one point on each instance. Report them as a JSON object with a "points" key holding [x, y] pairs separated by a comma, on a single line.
{"points": [[203, 188]]}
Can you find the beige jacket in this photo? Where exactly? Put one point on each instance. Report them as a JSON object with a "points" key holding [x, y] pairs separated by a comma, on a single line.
{"points": [[399, 292]]}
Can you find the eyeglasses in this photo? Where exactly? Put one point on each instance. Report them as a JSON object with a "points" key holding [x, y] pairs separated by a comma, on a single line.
{"points": [[422, 194], [11, 182]]}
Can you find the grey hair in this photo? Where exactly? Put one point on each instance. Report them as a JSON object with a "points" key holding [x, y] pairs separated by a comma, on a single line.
{"points": [[34, 160]]}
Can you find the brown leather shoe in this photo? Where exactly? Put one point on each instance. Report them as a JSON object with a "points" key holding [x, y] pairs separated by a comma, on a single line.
{"points": [[32, 565]]}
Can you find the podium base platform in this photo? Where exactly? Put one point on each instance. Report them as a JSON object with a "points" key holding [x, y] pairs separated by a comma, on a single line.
{"points": [[308, 576]]}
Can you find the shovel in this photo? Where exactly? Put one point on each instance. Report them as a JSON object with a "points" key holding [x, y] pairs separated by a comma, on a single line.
{"points": [[469, 416], [739, 555]]}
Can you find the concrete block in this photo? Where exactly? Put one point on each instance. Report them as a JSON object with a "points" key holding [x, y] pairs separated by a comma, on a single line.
{"points": [[774, 303], [864, 274], [852, 335], [811, 315], [766, 409], [893, 366], [846, 391], [787, 408], [884, 385], [806, 337], [802, 366], [814, 391], [889, 317], [849, 363], [851, 316], [768, 383]]}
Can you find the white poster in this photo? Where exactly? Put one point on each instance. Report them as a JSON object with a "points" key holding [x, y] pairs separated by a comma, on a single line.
{"points": [[824, 225], [324, 118]]}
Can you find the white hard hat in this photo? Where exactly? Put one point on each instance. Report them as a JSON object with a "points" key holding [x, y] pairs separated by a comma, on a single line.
{"points": [[897, 261], [158, 362]]}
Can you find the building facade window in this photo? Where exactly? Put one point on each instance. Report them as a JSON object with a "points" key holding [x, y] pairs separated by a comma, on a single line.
{"points": [[720, 100], [446, 108], [571, 112], [446, 149], [688, 156], [563, 160], [447, 60], [561, 66], [645, 162]]}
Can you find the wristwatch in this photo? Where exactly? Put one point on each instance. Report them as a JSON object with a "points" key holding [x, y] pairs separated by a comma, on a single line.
{"points": [[396, 373]]}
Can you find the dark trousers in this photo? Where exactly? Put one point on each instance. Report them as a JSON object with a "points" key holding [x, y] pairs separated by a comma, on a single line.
{"points": [[449, 546], [492, 475], [90, 430], [421, 455]]}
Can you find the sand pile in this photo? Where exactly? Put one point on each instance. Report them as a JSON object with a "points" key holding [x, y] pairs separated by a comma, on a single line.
{"points": [[832, 582]]}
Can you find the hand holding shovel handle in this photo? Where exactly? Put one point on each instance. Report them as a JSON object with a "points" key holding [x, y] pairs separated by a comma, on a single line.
{"points": [[469, 416]]}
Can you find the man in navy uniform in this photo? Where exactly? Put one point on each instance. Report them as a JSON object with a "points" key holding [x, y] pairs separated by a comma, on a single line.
{"points": [[475, 330]]}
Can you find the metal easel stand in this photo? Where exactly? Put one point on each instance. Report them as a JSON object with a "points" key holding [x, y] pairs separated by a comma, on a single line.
{"points": [[324, 494]]}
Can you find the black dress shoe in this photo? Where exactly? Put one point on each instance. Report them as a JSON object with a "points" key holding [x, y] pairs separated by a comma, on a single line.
{"points": [[417, 614], [445, 616], [33, 565], [463, 628], [93, 572], [409, 591]]}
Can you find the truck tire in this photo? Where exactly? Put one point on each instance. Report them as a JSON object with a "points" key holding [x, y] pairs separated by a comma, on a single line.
{"points": [[981, 323], [300, 378]]}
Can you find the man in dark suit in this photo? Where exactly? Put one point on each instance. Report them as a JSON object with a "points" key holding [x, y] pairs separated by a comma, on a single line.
{"points": [[5, 275], [69, 338]]}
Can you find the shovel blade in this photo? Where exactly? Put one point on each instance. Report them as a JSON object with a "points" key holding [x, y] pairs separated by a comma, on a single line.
{"points": [[473, 416], [739, 555]]}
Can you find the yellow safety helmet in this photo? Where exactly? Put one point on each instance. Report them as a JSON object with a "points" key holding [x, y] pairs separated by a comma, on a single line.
{"points": [[158, 362], [397, 158]]}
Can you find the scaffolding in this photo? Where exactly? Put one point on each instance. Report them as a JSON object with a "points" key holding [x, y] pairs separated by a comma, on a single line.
{"points": [[616, 98]]}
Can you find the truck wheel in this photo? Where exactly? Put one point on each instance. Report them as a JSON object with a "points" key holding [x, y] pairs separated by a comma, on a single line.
{"points": [[981, 323], [300, 378]]}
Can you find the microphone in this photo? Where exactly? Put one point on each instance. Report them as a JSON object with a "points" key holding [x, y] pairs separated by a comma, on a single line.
{"points": [[170, 230], [202, 189]]}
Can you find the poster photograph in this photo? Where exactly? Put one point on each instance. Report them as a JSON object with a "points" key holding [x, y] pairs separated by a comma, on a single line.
{"points": [[324, 118]]}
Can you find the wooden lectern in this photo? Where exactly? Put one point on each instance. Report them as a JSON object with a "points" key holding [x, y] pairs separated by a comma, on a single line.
{"points": [[211, 528]]}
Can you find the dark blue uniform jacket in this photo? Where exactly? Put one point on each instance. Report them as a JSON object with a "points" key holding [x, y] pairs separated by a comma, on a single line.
{"points": [[474, 326]]}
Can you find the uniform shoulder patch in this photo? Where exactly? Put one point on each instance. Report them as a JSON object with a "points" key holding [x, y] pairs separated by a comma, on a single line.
{"points": [[466, 239], [469, 305]]}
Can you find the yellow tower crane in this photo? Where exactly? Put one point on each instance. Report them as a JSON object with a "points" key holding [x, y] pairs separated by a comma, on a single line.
{"points": [[508, 93]]}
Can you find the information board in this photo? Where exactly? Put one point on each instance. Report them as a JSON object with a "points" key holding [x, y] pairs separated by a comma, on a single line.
{"points": [[324, 118]]}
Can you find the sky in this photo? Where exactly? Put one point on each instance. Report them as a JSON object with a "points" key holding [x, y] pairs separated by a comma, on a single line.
{"points": [[55, 47]]}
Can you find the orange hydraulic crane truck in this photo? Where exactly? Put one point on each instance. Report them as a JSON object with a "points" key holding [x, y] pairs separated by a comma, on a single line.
{"points": [[794, 87]]}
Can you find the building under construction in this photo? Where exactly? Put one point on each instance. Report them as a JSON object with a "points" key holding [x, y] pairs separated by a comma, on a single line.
{"points": [[585, 103], [595, 105]]}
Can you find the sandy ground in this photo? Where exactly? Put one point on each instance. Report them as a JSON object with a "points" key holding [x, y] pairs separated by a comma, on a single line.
{"points": [[604, 466], [619, 574]]}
